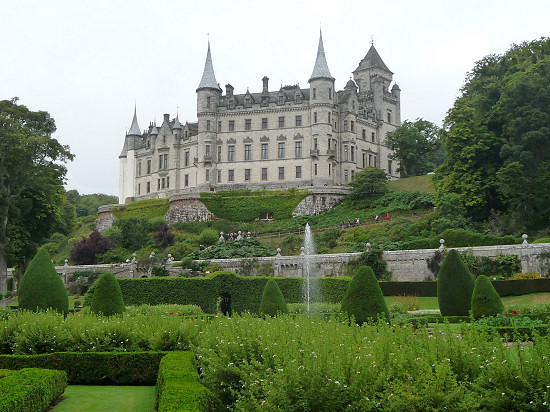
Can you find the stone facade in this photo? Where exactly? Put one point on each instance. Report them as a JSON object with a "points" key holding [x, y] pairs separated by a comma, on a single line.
{"points": [[187, 208], [319, 201], [312, 137]]}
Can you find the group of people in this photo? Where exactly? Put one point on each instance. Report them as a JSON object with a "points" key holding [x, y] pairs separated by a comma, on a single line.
{"points": [[377, 218], [355, 222], [230, 237]]}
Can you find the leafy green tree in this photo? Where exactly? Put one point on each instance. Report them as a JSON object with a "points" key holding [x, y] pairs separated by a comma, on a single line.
{"points": [[364, 299], [368, 185], [496, 140], [41, 287], [107, 299], [32, 174], [417, 147], [455, 285], [485, 299], [135, 233], [273, 301], [87, 205]]}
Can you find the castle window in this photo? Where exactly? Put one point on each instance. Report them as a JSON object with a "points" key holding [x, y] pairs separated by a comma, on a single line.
{"points": [[264, 101], [281, 121], [158, 184], [231, 175], [352, 126], [207, 150], [346, 153], [148, 166], [375, 162], [231, 153], [346, 176], [139, 168], [298, 121], [264, 122], [264, 151], [163, 185], [219, 176], [219, 153], [167, 182], [298, 149], [329, 93], [231, 104], [232, 125], [372, 136], [364, 159], [208, 125], [247, 124], [281, 173], [186, 162], [208, 100], [148, 187], [315, 144], [298, 172], [247, 174], [314, 117], [315, 169], [186, 180], [207, 177], [314, 93], [298, 97], [247, 152], [281, 150], [264, 173], [352, 174], [370, 160], [345, 125], [247, 102], [364, 134], [281, 99], [163, 161], [329, 118], [353, 153], [219, 126], [139, 188], [389, 116], [329, 167], [389, 167]]}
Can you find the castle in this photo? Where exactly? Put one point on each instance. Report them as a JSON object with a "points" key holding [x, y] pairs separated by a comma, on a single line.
{"points": [[294, 137]]}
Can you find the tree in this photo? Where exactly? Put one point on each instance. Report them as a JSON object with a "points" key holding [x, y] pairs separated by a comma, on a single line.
{"points": [[368, 185], [485, 299], [32, 174], [417, 147], [364, 299], [87, 205], [86, 251], [107, 299], [497, 139], [455, 285], [273, 301], [41, 287]]}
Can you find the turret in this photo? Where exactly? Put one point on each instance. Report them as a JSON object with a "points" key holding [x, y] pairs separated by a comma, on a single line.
{"points": [[127, 161], [208, 95]]}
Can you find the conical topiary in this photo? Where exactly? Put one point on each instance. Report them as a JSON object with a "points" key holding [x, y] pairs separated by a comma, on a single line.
{"points": [[41, 287], [273, 300], [364, 299], [107, 299], [485, 299], [455, 285]]}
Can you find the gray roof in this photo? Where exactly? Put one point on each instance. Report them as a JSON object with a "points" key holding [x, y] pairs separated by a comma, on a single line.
{"points": [[208, 77], [321, 71], [124, 152], [372, 59], [177, 124], [154, 131], [134, 128]]}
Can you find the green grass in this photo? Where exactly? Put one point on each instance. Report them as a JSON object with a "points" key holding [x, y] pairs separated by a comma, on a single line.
{"points": [[409, 184], [106, 398]]}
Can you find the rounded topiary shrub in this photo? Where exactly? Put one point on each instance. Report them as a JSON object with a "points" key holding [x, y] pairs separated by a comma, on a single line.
{"points": [[273, 300], [364, 299], [41, 287], [107, 299], [455, 285], [485, 299]]}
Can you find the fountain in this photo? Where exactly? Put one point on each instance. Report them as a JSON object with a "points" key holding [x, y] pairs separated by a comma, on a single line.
{"points": [[307, 251]]}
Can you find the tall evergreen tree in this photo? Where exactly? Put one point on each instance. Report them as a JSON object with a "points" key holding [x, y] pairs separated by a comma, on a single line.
{"points": [[455, 285]]}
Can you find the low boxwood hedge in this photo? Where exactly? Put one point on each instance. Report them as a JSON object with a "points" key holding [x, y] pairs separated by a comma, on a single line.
{"points": [[30, 389], [93, 368], [512, 333], [178, 386]]}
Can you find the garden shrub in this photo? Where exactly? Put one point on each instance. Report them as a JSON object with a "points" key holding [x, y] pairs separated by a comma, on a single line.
{"points": [[41, 287], [364, 300], [178, 386], [208, 237], [273, 301], [542, 240], [93, 368], [485, 299], [373, 259], [163, 237], [107, 299], [455, 285], [86, 251], [31, 389], [526, 275], [468, 238], [521, 286]]}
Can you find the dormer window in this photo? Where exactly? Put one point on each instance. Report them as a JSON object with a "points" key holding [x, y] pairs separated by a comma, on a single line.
{"points": [[264, 101], [281, 99], [231, 104], [247, 102], [298, 97]]}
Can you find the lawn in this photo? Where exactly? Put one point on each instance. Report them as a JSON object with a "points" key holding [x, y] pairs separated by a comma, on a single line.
{"points": [[106, 398]]}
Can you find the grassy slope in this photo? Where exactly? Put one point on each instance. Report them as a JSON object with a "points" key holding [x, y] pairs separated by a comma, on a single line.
{"points": [[422, 183], [91, 398]]}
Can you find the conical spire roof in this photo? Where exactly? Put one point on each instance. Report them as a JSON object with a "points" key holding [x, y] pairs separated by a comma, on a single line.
{"points": [[208, 77], [154, 130], [177, 124], [134, 128], [372, 59], [321, 71]]}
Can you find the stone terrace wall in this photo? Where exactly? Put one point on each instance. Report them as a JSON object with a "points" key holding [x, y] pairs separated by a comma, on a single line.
{"points": [[320, 200], [187, 208]]}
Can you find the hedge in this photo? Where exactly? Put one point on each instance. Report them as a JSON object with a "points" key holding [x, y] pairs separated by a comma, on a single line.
{"points": [[245, 205], [178, 386], [142, 209], [30, 389], [93, 368]]}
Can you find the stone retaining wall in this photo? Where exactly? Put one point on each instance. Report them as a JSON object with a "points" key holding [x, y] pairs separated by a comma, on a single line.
{"points": [[187, 208]]}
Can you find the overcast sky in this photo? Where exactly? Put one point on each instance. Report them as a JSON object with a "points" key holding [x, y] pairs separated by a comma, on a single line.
{"points": [[88, 62]]}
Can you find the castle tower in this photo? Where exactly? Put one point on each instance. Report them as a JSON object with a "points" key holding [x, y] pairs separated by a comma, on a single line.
{"points": [[321, 85], [127, 162], [208, 96]]}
